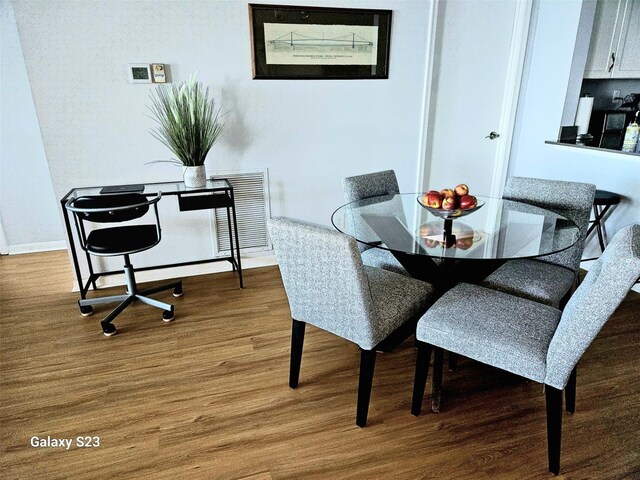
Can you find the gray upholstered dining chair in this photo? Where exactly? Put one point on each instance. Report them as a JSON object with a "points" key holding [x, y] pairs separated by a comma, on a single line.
{"points": [[528, 338], [373, 185], [547, 279], [328, 286]]}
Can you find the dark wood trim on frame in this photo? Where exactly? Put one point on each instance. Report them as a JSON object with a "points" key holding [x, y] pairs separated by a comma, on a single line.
{"points": [[259, 15]]}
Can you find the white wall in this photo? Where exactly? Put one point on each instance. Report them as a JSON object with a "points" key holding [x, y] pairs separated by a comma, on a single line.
{"points": [[310, 134], [580, 54], [29, 215], [540, 112]]}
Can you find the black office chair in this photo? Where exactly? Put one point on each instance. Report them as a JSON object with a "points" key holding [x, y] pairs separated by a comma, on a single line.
{"points": [[122, 240]]}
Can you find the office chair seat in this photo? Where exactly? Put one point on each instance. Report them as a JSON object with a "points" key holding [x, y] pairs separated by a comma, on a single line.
{"points": [[117, 240]]}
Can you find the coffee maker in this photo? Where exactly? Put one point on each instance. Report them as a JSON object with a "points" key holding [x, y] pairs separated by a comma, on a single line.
{"points": [[608, 126], [630, 103]]}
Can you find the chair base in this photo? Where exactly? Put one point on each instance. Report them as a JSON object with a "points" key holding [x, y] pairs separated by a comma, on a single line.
{"points": [[128, 298]]}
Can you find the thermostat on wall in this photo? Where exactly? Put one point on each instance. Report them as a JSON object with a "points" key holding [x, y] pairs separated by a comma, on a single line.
{"points": [[139, 73], [158, 71]]}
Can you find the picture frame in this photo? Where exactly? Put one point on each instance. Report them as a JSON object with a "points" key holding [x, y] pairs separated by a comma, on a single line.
{"points": [[139, 73], [296, 42]]}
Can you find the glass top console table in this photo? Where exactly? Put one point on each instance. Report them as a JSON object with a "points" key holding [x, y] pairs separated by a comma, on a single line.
{"points": [[464, 248], [217, 193]]}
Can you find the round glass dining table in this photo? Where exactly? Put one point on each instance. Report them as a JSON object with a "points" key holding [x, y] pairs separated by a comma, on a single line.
{"points": [[466, 247]]}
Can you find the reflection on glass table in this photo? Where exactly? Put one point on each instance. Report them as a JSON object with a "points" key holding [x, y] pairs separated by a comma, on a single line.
{"points": [[446, 250]]}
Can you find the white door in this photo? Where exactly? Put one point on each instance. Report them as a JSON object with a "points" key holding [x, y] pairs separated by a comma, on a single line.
{"points": [[477, 65]]}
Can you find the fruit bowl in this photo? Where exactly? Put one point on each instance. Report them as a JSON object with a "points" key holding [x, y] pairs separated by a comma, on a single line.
{"points": [[455, 213]]}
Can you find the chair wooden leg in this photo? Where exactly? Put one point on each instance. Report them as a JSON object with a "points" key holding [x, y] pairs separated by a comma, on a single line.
{"points": [[423, 358], [297, 341], [453, 361], [436, 386], [570, 393], [554, 426], [367, 365]]}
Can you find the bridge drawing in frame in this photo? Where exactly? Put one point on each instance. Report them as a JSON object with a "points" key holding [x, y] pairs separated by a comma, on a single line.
{"points": [[295, 44], [294, 40]]}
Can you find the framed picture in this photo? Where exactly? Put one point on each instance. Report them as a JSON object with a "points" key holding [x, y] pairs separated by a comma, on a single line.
{"points": [[293, 42]]}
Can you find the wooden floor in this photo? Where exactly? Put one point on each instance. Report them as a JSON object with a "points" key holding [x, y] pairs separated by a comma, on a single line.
{"points": [[207, 397]]}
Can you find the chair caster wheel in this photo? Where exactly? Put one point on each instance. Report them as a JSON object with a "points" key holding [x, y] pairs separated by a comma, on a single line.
{"points": [[109, 330], [168, 316], [177, 292], [86, 310]]}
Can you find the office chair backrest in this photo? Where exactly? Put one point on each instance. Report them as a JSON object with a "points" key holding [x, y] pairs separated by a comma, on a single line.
{"points": [[598, 296], [369, 185], [137, 202], [572, 200], [114, 208], [324, 278]]}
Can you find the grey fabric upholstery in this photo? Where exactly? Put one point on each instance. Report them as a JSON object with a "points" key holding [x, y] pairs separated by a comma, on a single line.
{"points": [[370, 185], [528, 338], [533, 279], [492, 327], [589, 308], [379, 258], [373, 185], [328, 286], [572, 200]]}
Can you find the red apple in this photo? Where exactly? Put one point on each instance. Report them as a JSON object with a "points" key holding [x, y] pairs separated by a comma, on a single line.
{"points": [[449, 203], [462, 190], [426, 229], [448, 192], [432, 191], [464, 243], [434, 200], [468, 201], [430, 243], [464, 235]]}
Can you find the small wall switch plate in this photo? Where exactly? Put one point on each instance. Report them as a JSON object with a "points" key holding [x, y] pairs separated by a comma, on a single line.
{"points": [[139, 73], [159, 73], [616, 96]]}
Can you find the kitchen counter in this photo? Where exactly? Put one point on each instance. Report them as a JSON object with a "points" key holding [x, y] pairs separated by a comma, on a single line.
{"points": [[587, 147]]}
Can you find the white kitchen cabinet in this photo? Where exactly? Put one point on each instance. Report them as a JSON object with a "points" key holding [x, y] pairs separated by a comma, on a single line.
{"points": [[614, 51]]}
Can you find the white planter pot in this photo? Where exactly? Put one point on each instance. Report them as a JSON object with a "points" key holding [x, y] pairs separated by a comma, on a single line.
{"points": [[194, 177]]}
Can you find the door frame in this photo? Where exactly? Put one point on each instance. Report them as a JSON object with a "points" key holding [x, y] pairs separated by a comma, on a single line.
{"points": [[517, 52]]}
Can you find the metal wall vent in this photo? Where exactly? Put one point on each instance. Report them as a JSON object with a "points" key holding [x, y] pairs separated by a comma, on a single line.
{"points": [[251, 192]]}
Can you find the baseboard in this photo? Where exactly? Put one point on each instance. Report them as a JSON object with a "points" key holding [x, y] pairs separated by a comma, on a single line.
{"points": [[249, 260], [37, 247]]}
